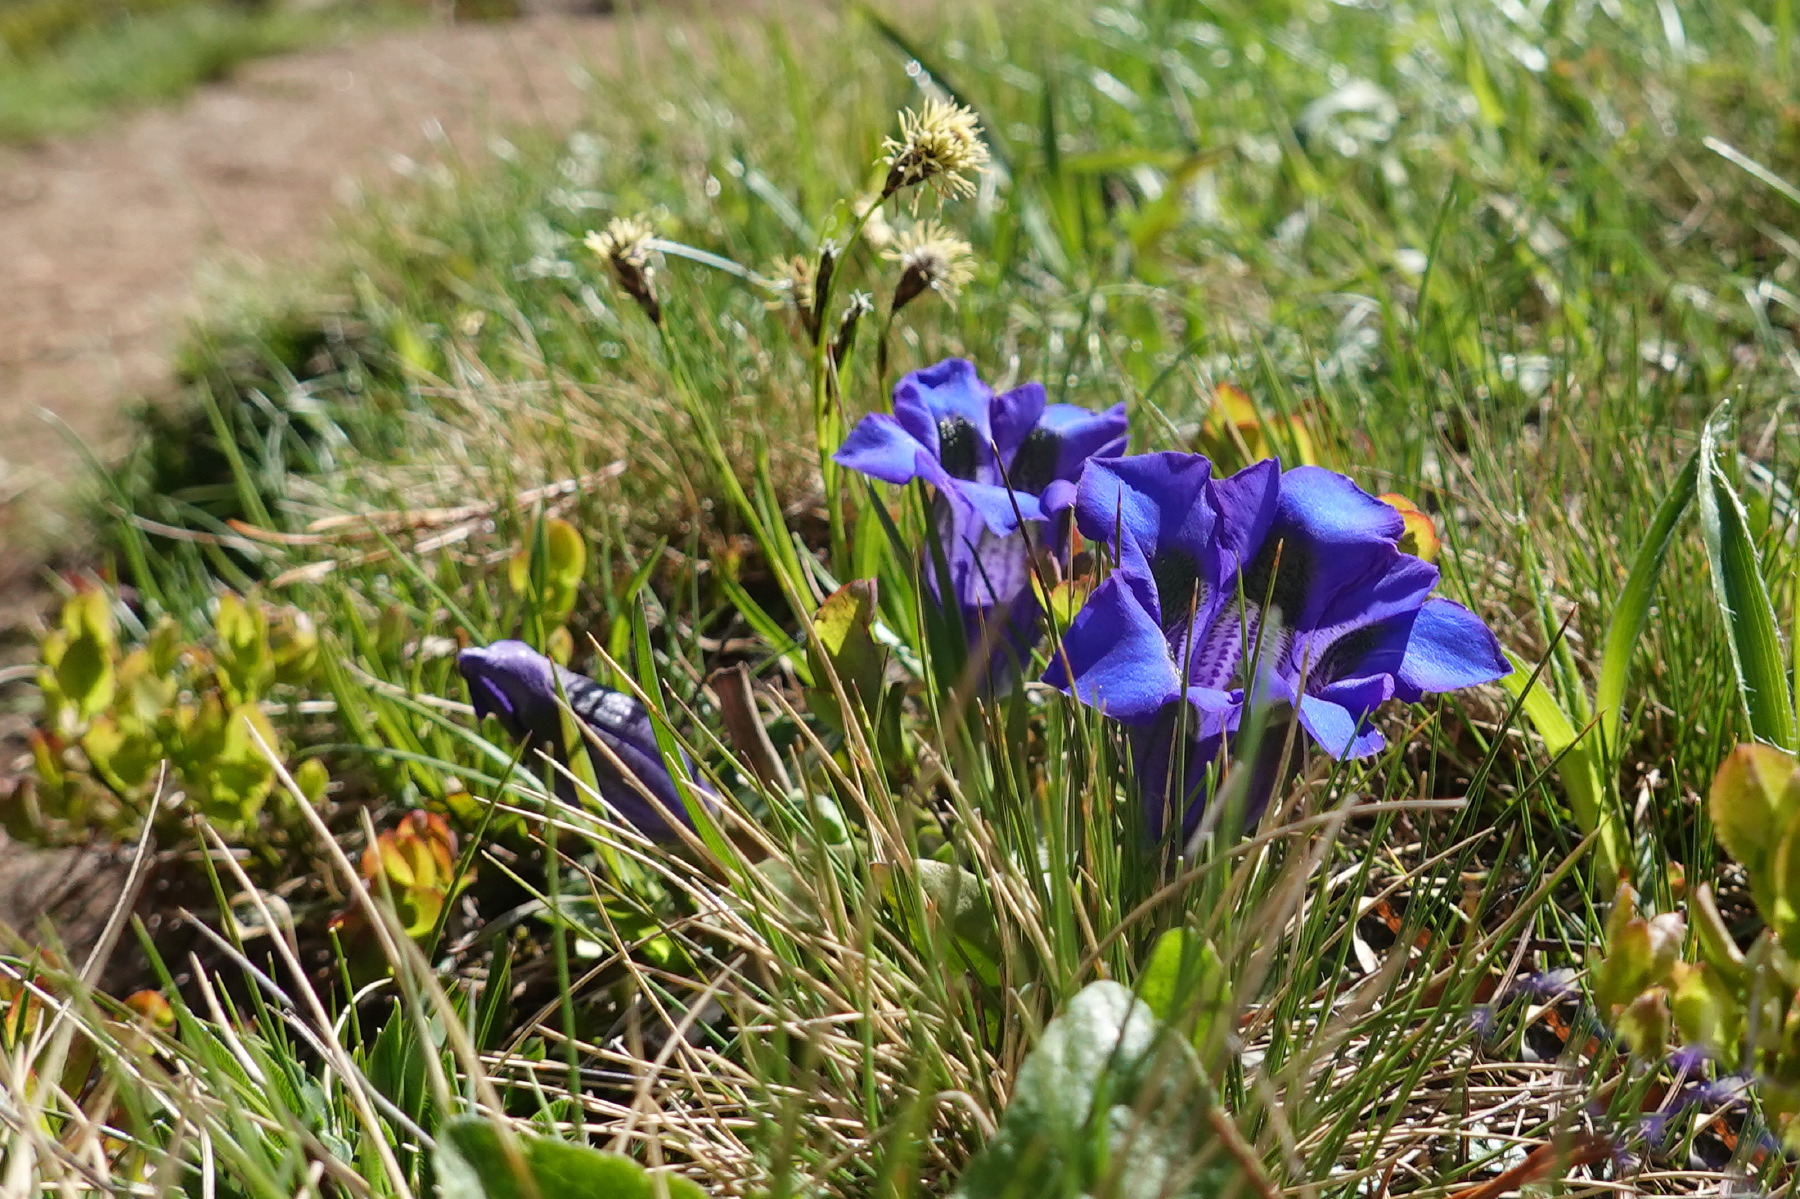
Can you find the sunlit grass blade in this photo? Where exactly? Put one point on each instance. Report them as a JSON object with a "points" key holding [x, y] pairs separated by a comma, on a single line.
{"points": [[1757, 656], [1633, 606], [1573, 754]]}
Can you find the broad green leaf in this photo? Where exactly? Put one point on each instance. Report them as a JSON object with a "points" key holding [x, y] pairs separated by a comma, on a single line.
{"points": [[474, 1163], [955, 898], [846, 643], [1757, 655], [1107, 1103], [1184, 984], [1783, 914], [550, 569], [1633, 606]]}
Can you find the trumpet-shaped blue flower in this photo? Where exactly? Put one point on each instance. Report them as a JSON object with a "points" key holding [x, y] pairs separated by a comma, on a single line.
{"points": [[520, 687], [1004, 469], [1299, 571]]}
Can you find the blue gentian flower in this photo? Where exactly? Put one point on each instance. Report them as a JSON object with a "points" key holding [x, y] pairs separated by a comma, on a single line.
{"points": [[1003, 468], [1300, 568], [519, 686]]}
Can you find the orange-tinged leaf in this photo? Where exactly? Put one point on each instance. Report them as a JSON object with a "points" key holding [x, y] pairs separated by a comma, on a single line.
{"points": [[152, 1007], [1421, 536]]}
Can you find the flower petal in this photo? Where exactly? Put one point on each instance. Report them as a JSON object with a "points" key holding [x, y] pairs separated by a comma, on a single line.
{"points": [[1000, 509], [1353, 622], [1057, 498], [949, 395], [1337, 717], [1246, 503], [513, 683], [1333, 510], [882, 448], [1082, 434], [1115, 658], [1012, 417], [1449, 647], [1142, 496]]}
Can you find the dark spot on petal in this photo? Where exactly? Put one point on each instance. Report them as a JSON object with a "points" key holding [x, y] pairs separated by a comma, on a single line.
{"points": [[1034, 466], [958, 447], [1179, 591], [1342, 656], [1281, 573]]}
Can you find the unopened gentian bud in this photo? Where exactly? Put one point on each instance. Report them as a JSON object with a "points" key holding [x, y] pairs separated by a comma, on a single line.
{"points": [[523, 690], [625, 249]]}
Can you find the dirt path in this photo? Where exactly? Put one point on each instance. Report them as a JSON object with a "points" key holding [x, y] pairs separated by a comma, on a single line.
{"points": [[101, 238]]}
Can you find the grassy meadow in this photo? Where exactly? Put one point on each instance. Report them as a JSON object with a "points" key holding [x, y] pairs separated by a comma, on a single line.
{"points": [[1531, 266]]}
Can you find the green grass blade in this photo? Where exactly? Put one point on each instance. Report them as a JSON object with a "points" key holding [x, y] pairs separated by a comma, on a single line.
{"points": [[1757, 656], [1633, 606], [1573, 754]]}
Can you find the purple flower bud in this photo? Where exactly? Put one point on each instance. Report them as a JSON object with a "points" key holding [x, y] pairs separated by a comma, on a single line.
{"points": [[518, 686]]}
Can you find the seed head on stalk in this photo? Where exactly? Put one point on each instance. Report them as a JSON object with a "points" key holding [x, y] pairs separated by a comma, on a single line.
{"points": [[939, 144], [625, 249], [931, 258]]}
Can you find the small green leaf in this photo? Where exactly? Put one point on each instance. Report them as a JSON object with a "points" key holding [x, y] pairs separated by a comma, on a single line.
{"points": [[1644, 1024], [1705, 1010], [1717, 948], [474, 1163], [1757, 655], [1643, 955], [1755, 796], [84, 667], [246, 665]]}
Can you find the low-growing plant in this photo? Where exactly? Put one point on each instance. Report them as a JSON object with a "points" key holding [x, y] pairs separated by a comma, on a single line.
{"points": [[115, 712]]}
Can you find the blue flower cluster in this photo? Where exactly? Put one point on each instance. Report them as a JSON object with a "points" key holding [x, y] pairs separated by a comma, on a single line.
{"points": [[1004, 471], [1297, 571], [1286, 587]]}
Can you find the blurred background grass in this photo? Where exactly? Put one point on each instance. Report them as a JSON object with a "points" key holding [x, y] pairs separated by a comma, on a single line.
{"points": [[68, 65]]}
